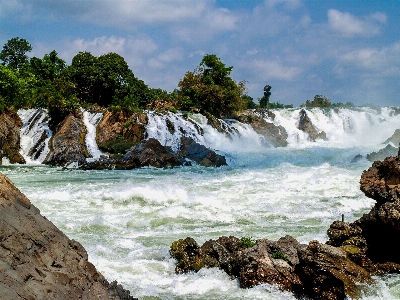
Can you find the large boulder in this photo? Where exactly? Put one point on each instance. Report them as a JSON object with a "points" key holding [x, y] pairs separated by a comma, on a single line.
{"points": [[152, 153], [201, 154], [38, 261], [327, 273], [68, 145], [10, 127], [307, 126]]}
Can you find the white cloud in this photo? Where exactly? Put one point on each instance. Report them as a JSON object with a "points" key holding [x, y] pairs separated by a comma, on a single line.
{"points": [[378, 62], [348, 25], [271, 69]]}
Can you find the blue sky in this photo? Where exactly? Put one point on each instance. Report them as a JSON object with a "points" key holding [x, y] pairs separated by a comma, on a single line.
{"points": [[345, 50]]}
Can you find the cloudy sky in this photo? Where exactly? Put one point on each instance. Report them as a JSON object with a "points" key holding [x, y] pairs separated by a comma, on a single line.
{"points": [[345, 50]]}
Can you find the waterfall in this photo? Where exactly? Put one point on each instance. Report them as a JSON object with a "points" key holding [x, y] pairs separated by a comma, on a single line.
{"points": [[91, 120], [35, 134]]}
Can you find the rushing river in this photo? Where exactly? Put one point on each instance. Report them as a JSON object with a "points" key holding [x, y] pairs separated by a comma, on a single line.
{"points": [[127, 220]]}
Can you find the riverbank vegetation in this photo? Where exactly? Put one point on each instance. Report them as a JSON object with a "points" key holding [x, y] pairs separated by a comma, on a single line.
{"points": [[106, 80]]}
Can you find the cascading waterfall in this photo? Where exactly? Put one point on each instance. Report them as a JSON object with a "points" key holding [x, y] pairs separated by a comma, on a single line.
{"points": [[35, 134], [343, 127], [91, 120]]}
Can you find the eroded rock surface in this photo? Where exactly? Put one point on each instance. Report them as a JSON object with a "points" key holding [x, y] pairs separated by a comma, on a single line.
{"points": [[68, 142], [317, 271], [37, 261], [199, 153], [10, 127], [307, 126]]}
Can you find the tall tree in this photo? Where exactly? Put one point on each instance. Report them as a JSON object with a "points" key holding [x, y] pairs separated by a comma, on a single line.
{"points": [[14, 53], [264, 101], [209, 88]]}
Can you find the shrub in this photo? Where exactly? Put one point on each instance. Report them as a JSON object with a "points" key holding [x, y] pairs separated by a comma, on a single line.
{"points": [[246, 242], [278, 254]]}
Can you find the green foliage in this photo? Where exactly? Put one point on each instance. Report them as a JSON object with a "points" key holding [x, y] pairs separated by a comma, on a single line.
{"points": [[14, 53], [278, 254], [264, 101], [246, 242], [248, 102], [210, 88], [319, 101], [279, 105]]}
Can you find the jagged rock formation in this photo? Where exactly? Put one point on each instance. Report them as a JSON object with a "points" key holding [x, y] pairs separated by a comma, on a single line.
{"points": [[389, 150], [151, 153], [317, 271], [394, 139], [68, 143], [10, 126], [121, 130], [307, 126], [201, 154], [37, 261], [275, 135]]}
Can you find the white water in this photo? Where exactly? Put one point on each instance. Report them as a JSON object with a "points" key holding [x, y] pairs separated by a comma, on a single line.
{"points": [[91, 120], [35, 125], [128, 219]]}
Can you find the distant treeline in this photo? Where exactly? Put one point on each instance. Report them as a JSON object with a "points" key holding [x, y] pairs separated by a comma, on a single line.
{"points": [[106, 80]]}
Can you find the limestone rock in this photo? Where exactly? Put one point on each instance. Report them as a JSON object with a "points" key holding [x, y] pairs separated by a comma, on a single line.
{"points": [[68, 143], [37, 261], [10, 127]]}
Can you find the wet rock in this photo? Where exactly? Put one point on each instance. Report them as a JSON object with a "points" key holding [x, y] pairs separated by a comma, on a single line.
{"points": [[306, 125], [68, 145], [389, 150], [188, 254], [10, 127], [273, 134], [152, 153], [327, 273], [202, 155], [118, 131], [38, 261], [357, 158]]}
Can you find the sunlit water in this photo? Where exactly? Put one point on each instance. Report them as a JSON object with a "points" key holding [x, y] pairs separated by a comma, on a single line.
{"points": [[127, 220]]}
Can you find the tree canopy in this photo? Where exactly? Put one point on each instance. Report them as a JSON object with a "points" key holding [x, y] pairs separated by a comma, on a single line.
{"points": [[14, 53], [209, 88]]}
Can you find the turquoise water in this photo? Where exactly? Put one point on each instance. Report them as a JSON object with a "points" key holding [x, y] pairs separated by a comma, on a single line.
{"points": [[128, 219]]}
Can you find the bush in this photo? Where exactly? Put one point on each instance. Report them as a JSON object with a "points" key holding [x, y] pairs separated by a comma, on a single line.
{"points": [[278, 254], [246, 242]]}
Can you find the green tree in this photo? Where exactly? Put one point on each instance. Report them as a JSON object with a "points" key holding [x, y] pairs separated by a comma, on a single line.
{"points": [[48, 68], [319, 101], [209, 88], [264, 101], [14, 53]]}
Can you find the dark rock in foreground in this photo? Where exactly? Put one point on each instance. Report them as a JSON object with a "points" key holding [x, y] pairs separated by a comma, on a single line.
{"points": [[37, 261], [317, 271]]}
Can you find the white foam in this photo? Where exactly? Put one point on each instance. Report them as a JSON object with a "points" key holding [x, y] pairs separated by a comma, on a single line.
{"points": [[91, 120]]}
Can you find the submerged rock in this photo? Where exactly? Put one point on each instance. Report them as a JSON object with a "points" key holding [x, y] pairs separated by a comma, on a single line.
{"points": [[38, 261], [10, 127], [307, 126]]}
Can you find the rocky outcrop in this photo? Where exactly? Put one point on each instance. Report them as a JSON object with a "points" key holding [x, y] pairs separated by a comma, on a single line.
{"points": [[307, 126], [394, 139], [38, 261], [10, 127], [257, 119], [118, 131], [151, 153], [200, 154], [68, 143], [317, 271]]}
